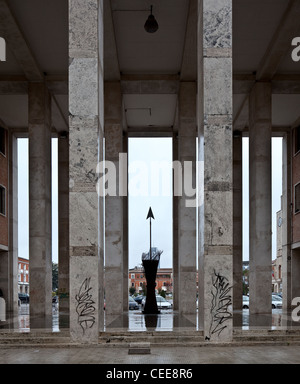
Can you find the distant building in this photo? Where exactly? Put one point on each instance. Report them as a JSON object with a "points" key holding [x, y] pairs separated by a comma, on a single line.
{"points": [[23, 275], [245, 277], [245, 265], [4, 160], [164, 279], [277, 263]]}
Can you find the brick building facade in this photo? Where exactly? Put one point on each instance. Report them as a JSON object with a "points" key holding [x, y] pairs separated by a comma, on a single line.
{"points": [[23, 275], [3, 189], [164, 279]]}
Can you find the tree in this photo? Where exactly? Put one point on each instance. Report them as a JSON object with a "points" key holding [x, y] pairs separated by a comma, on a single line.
{"points": [[54, 277], [144, 289], [245, 281], [132, 290]]}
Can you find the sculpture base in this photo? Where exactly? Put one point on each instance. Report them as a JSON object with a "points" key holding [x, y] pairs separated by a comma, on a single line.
{"points": [[150, 267], [151, 312]]}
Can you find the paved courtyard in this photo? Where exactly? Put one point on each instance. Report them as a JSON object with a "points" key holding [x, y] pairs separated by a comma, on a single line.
{"points": [[168, 321], [179, 355]]}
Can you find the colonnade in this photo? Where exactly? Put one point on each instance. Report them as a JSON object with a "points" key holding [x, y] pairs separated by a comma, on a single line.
{"points": [[92, 227]]}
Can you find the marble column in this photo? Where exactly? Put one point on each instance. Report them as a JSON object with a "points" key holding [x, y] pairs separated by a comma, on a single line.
{"points": [[215, 169], [186, 213], [63, 229], [237, 227], [86, 150], [260, 197], [40, 250], [113, 134]]}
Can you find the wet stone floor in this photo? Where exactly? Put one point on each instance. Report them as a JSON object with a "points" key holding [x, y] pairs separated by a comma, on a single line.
{"points": [[167, 320]]}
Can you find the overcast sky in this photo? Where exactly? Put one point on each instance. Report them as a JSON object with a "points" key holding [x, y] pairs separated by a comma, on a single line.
{"points": [[23, 200], [276, 192], [141, 153]]}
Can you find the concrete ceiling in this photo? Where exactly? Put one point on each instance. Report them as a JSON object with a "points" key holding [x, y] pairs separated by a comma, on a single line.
{"points": [[36, 32], [254, 25], [140, 52]]}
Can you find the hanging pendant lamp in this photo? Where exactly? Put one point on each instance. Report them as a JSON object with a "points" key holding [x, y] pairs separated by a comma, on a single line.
{"points": [[151, 24]]}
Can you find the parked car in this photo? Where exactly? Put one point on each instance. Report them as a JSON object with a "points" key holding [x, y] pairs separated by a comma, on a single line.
{"points": [[245, 302], [24, 298], [162, 303], [276, 302], [133, 304], [139, 299]]}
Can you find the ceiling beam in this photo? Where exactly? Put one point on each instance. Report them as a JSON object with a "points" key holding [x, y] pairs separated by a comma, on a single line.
{"points": [[243, 83], [9, 87], [149, 87], [242, 117], [58, 85], [296, 123], [18, 85], [189, 60], [65, 123], [111, 61], [281, 84], [150, 131], [286, 84]]}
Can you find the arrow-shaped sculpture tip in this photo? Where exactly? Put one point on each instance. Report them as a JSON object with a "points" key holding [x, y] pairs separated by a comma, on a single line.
{"points": [[150, 214]]}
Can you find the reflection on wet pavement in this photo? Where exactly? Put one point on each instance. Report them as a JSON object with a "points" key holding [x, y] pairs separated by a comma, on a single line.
{"points": [[24, 318], [167, 320], [134, 321]]}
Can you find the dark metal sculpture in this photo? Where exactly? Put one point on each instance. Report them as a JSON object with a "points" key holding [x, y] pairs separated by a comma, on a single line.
{"points": [[150, 263]]}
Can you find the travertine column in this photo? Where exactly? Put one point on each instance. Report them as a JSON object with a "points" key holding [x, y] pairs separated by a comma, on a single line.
{"points": [[175, 232], [40, 256], [9, 259], [63, 229], [113, 204], [125, 225], [215, 169], [86, 150], [286, 223], [260, 196], [187, 287], [12, 305], [237, 227], [295, 270]]}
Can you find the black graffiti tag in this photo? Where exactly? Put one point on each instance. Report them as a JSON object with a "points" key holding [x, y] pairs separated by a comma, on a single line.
{"points": [[220, 304], [85, 306]]}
